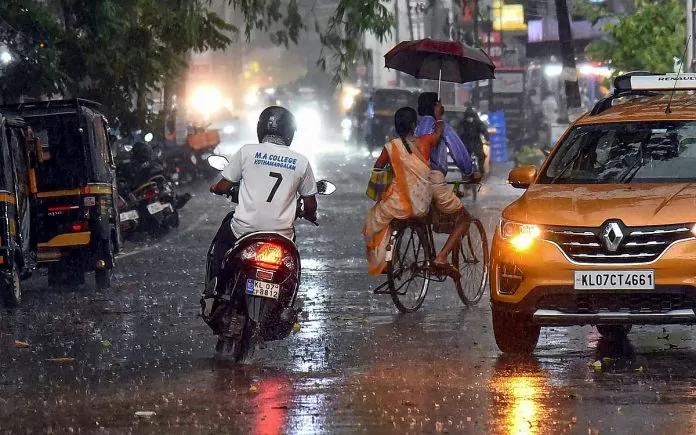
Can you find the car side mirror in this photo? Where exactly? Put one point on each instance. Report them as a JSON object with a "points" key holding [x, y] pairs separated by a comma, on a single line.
{"points": [[522, 177], [217, 162], [325, 187]]}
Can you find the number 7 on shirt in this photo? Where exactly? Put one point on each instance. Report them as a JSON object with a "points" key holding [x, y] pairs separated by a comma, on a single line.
{"points": [[279, 179]]}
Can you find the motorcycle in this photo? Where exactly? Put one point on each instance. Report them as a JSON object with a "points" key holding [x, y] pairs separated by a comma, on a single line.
{"points": [[129, 217], [261, 278], [158, 205]]}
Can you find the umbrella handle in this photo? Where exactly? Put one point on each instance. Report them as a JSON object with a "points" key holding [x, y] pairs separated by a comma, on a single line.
{"points": [[439, 82]]}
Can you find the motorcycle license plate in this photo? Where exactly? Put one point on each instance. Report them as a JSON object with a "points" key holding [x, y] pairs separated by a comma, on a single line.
{"points": [[130, 215], [262, 289], [157, 207]]}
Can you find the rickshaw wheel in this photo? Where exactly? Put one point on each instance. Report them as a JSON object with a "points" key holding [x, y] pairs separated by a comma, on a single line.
{"points": [[12, 288]]}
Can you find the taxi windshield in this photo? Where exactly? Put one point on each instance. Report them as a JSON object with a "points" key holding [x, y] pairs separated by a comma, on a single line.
{"points": [[630, 152]]}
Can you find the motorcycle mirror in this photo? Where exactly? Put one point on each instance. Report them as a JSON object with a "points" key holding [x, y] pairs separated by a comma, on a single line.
{"points": [[325, 187], [217, 162]]}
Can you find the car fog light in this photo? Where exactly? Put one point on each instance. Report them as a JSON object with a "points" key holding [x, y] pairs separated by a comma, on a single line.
{"points": [[509, 279]]}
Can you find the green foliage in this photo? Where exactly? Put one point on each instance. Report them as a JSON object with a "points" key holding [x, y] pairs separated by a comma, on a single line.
{"points": [[593, 12], [107, 50], [649, 39]]}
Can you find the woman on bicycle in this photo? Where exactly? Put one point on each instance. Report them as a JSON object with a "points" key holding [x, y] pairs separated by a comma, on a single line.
{"points": [[412, 190]]}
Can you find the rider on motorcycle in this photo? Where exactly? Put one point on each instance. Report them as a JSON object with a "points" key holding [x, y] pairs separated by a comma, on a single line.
{"points": [[271, 177], [470, 130], [144, 165]]}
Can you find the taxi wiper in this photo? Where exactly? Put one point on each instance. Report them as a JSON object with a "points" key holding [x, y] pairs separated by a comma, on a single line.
{"points": [[633, 170], [571, 162]]}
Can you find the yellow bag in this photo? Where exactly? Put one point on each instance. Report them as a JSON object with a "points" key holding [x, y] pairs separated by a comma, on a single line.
{"points": [[380, 179]]}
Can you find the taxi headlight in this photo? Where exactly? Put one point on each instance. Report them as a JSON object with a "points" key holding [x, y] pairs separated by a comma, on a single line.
{"points": [[520, 236]]}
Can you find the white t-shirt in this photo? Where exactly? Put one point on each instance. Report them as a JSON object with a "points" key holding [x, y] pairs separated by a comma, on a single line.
{"points": [[272, 176]]}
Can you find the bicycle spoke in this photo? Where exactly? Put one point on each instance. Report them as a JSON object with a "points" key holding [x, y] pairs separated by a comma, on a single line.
{"points": [[408, 277]]}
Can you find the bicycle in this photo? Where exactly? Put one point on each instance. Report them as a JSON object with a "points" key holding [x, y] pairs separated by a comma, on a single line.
{"points": [[416, 236]]}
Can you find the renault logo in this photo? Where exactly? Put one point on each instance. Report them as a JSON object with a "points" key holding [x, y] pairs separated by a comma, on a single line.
{"points": [[612, 236]]}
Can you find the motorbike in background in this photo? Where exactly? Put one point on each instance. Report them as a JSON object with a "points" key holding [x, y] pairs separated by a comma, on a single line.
{"points": [[129, 218], [158, 205], [260, 280]]}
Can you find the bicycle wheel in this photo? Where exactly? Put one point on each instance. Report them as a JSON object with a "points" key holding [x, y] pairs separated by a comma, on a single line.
{"points": [[407, 272], [471, 258]]}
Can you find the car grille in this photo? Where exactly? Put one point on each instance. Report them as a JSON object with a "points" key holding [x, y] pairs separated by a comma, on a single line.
{"points": [[634, 302], [639, 244]]}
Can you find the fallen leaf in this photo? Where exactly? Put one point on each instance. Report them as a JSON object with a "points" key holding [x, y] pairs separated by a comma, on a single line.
{"points": [[597, 365], [21, 344], [106, 343], [253, 389], [60, 360], [296, 327], [640, 369]]}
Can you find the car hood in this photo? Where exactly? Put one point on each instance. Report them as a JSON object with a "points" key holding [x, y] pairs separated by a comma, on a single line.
{"points": [[592, 205]]}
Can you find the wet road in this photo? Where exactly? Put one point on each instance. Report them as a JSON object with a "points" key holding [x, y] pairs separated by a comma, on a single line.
{"points": [[356, 366]]}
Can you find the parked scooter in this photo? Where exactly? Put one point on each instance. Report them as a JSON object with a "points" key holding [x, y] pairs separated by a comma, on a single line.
{"points": [[129, 217], [158, 206], [261, 278]]}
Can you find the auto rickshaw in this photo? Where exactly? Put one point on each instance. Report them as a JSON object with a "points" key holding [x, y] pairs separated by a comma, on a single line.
{"points": [[73, 179], [380, 114], [17, 258]]}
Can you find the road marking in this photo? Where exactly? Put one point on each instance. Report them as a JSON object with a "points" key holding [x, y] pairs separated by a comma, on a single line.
{"points": [[157, 245]]}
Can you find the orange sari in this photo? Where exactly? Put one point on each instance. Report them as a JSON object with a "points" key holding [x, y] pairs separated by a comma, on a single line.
{"points": [[409, 195]]}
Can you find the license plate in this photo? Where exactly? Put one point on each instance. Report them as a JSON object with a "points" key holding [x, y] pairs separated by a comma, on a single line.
{"points": [[130, 215], [157, 207], [615, 280], [262, 289]]}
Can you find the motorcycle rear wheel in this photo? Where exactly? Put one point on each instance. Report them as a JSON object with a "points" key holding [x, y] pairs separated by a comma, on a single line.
{"points": [[240, 348]]}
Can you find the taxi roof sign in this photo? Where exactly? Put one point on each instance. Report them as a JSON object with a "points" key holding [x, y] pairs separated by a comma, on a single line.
{"points": [[641, 81]]}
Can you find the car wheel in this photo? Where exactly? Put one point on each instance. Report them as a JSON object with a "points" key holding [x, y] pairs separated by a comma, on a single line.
{"points": [[515, 333], [614, 332]]}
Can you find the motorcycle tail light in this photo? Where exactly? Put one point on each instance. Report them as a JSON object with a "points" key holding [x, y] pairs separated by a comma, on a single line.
{"points": [[269, 255], [150, 195]]}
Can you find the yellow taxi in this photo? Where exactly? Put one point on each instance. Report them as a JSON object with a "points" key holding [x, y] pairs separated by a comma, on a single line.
{"points": [[604, 234]]}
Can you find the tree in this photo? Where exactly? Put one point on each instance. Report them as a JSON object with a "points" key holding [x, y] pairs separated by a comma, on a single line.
{"points": [[649, 39], [120, 51]]}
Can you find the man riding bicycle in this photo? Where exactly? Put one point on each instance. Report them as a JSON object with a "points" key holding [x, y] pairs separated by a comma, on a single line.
{"points": [[445, 200], [470, 130]]}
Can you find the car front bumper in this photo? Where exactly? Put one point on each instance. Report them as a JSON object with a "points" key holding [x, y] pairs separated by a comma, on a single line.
{"points": [[542, 287]]}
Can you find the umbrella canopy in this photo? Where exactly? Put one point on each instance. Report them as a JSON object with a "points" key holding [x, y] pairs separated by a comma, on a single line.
{"points": [[449, 61]]}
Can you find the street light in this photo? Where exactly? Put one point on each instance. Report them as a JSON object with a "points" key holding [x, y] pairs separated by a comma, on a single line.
{"points": [[5, 57]]}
